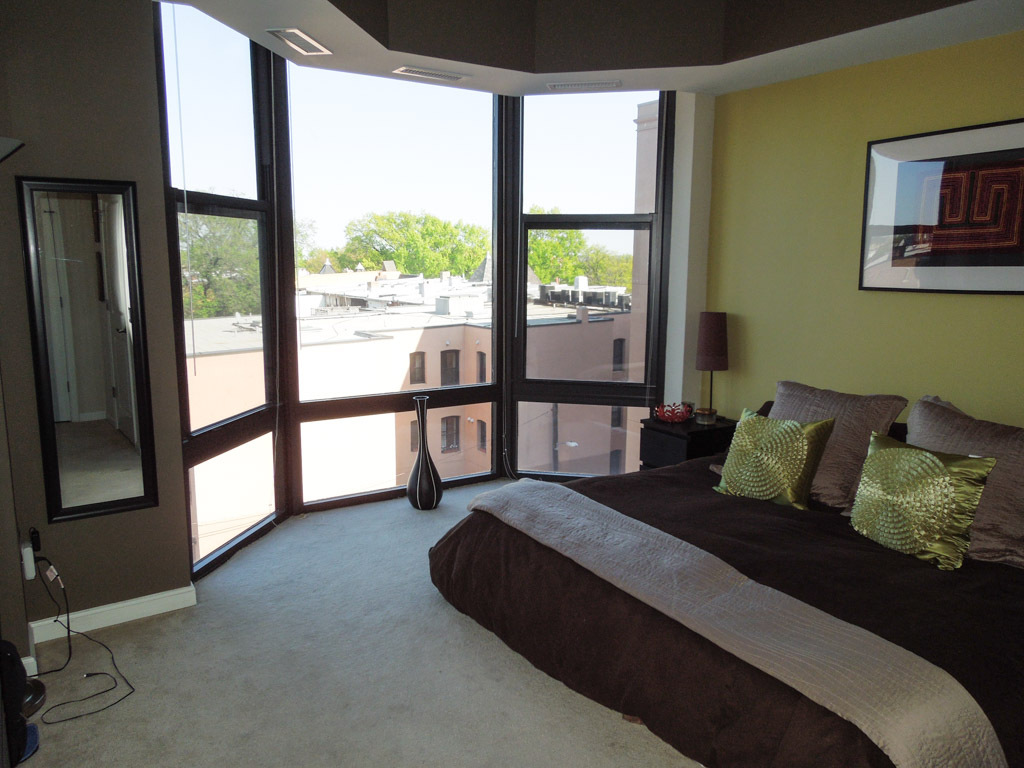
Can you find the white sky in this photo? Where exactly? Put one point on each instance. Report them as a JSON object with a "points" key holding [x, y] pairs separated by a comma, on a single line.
{"points": [[369, 145]]}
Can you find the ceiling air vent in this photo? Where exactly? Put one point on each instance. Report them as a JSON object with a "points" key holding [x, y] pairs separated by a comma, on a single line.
{"points": [[300, 41], [595, 85], [430, 74]]}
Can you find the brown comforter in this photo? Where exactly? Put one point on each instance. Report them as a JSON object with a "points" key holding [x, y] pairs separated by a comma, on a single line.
{"points": [[702, 700]]}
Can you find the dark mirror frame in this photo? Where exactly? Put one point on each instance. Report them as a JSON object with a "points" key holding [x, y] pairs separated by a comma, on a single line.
{"points": [[56, 511]]}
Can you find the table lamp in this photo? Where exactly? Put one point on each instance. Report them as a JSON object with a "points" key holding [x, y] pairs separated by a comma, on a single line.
{"points": [[712, 355]]}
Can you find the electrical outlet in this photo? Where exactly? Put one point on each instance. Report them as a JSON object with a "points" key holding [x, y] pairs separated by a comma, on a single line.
{"points": [[28, 561]]}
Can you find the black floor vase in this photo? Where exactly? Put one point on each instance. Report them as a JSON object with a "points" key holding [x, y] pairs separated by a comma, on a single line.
{"points": [[424, 489]]}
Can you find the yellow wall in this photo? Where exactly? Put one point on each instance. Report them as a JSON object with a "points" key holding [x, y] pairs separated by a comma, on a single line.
{"points": [[787, 202]]}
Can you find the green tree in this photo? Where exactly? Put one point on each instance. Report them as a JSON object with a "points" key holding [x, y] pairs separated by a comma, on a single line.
{"points": [[220, 269], [565, 254], [606, 268], [415, 242], [557, 253]]}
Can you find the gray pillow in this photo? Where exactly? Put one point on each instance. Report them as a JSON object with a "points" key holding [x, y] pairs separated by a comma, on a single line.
{"points": [[857, 416], [997, 534], [939, 401]]}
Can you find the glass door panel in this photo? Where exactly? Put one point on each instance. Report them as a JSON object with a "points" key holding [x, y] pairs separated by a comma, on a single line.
{"points": [[341, 457], [575, 439], [222, 309], [392, 201], [230, 493], [587, 318]]}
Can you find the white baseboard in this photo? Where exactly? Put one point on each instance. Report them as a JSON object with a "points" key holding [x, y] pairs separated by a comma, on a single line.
{"points": [[114, 613], [31, 668]]}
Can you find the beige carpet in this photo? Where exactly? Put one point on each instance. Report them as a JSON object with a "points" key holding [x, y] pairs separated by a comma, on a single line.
{"points": [[325, 644]]}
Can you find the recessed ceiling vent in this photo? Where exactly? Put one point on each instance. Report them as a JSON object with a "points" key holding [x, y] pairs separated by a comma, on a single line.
{"points": [[594, 85], [430, 74], [300, 41]]}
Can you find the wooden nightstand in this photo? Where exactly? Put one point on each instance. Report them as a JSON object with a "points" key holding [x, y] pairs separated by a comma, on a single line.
{"points": [[663, 444]]}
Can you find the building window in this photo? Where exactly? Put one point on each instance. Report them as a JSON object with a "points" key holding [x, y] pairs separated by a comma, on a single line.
{"points": [[615, 462], [450, 368], [616, 415], [481, 435], [417, 368], [481, 367], [618, 355], [449, 433], [414, 436]]}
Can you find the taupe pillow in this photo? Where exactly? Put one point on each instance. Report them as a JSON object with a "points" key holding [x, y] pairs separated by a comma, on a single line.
{"points": [[939, 401], [856, 417], [997, 534]]}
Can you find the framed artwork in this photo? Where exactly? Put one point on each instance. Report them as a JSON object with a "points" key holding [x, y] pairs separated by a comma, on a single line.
{"points": [[944, 211]]}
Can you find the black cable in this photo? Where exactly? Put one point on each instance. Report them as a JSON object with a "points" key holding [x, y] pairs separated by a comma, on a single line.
{"points": [[113, 661], [67, 609], [70, 631]]}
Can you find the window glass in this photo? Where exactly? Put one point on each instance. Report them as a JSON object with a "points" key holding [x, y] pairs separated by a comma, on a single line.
{"points": [[231, 493], [450, 368], [417, 369], [222, 309], [481, 435], [209, 104], [341, 457], [450, 434], [392, 202], [590, 153], [578, 439], [587, 319]]}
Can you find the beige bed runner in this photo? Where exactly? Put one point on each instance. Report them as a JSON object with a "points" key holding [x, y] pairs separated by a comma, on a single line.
{"points": [[918, 714]]}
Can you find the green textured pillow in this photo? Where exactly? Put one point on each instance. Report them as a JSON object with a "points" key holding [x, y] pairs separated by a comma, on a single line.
{"points": [[919, 502], [774, 459]]}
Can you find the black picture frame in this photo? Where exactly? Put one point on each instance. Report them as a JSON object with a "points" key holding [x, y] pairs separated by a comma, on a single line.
{"points": [[944, 211]]}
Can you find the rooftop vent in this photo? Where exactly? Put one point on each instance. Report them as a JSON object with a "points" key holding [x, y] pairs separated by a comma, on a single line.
{"points": [[300, 41], [594, 85], [430, 74]]}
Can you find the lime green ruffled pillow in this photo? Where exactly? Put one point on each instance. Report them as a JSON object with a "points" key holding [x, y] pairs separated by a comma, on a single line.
{"points": [[919, 502], [774, 459]]}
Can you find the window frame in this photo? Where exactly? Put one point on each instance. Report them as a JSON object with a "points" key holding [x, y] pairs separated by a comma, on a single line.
{"points": [[449, 428], [517, 386], [449, 372], [618, 355], [417, 366], [284, 413]]}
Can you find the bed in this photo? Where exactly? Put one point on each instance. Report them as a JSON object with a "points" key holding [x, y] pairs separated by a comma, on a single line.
{"points": [[710, 705]]}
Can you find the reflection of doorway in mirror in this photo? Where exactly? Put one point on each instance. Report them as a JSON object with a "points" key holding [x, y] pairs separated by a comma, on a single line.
{"points": [[121, 405], [89, 334], [56, 307]]}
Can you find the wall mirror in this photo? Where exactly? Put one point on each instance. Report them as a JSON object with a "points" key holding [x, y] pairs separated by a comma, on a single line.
{"points": [[92, 380]]}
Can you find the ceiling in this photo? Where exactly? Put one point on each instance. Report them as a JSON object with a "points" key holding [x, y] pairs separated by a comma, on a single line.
{"points": [[519, 47]]}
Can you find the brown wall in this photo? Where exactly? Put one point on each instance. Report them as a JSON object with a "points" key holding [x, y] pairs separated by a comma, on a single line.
{"points": [[81, 92]]}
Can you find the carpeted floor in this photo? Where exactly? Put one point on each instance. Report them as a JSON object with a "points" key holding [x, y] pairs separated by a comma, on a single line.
{"points": [[325, 644]]}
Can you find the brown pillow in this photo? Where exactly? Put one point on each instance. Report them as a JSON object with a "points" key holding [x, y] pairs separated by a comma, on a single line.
{"points": [[997, 534], [857, 416]]}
